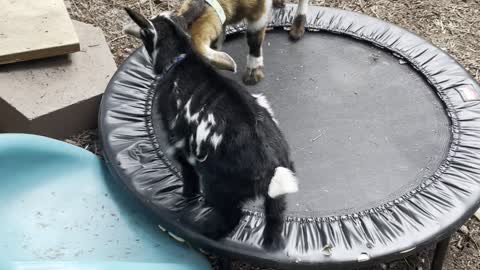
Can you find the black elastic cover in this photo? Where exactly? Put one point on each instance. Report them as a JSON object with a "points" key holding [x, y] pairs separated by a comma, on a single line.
{"points": [[385, 166]]}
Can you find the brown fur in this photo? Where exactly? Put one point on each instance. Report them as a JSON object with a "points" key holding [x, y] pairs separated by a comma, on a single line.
{"points": [[207, 28]]}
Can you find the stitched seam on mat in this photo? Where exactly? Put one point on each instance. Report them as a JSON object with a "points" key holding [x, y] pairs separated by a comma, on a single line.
{"points": [[151, 130]]}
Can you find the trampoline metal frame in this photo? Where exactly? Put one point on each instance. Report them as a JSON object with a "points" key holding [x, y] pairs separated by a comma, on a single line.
{"points": [[438, 260]]}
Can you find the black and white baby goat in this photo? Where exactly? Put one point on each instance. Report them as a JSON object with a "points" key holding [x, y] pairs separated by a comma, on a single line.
{"points": [[218, 132]]}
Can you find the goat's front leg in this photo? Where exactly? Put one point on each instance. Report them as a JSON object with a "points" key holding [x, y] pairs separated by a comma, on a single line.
{"points": [[255, 37], [298, 25], [274, 215], [278, 3]]}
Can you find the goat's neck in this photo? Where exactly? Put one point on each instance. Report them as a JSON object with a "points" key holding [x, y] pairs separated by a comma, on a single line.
{"points": [[165, 54], [162, 68]]}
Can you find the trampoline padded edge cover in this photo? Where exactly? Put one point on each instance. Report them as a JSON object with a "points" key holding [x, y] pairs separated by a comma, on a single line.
{"points": [[421, 216]]}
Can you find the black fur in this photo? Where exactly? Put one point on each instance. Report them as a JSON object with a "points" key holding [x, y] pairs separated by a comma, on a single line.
{"points": [[241, 167], [254, 41]]}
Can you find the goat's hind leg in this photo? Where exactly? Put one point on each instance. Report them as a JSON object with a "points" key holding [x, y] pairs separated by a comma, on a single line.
{"points": [[274, 216], [226, 213]]}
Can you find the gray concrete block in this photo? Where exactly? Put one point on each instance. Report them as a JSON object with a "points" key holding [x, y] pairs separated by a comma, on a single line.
{"points": [[58, 96]]}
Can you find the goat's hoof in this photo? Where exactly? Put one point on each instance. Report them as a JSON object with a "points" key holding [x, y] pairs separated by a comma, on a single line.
{"points": [[298, 28], [273, 243], [278, 3], [253, 75]]}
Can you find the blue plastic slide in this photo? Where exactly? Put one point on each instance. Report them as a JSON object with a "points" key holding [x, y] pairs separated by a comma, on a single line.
{"points": [[60, 209]]}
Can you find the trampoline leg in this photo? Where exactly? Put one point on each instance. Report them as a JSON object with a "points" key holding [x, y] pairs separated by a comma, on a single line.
{"points": [[440, 253], [225, 264]]}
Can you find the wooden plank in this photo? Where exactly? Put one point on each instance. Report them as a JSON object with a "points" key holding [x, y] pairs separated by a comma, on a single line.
{"points": [[35, 29], [58, 96]]}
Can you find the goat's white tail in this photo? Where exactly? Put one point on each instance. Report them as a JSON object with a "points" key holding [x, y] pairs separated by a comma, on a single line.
{"points": [[283, 182]]}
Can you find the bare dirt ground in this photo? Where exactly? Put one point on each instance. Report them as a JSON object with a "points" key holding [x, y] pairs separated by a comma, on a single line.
{"points": [[453, 25]]}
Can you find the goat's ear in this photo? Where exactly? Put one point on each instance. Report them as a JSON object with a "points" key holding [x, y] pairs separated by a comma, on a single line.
{"points": [[138, 18], [133, 29]]}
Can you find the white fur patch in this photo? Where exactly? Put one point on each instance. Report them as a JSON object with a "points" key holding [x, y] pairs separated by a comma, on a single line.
{"points": [[166, 14], [176, 92], [180, 144], [194, 117], [302, 7], [211, 119], [192, 160], [188, 114], [263, 102], [216, 139], [190, 141], [177, 145], [170, 151], [173, 122], [254, 62], [155, 41], [262, 22], [283, 182], [175, 85], [203, 130]]}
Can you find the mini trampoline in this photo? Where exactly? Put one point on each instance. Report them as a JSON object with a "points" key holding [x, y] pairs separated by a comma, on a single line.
{"points": [[384, 129]]}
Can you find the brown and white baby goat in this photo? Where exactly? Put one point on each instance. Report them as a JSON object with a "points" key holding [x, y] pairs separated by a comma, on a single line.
{"points": [[219, 133], [210, 17]]}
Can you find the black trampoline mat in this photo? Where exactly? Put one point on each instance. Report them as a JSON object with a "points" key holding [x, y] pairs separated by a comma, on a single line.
{"points": [[364, 127]]}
